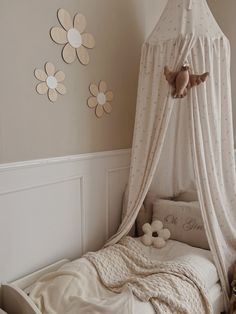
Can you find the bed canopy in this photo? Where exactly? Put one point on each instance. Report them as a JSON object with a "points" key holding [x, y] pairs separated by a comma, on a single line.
{"points": [[185, 143]]}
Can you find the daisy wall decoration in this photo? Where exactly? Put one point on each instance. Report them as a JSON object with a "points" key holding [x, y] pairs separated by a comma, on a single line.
{"points": [[72, 35], [50, 82], [101, 98]]}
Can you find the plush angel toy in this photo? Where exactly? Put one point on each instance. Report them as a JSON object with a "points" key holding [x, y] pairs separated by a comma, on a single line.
{"points": [[183, 80], [155, 235]]}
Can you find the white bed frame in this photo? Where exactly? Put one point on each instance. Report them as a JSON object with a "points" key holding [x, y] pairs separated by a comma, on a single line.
{"points": [[14, 297]]}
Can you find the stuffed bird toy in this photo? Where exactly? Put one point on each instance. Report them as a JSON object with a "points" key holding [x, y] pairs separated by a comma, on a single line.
{"points": [[183, 80]]}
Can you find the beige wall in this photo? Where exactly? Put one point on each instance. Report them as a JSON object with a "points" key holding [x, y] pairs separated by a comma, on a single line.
{"points": [[32, 127]]}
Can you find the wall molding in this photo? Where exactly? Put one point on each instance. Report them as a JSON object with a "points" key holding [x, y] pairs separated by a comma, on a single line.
{"points": [[108, 213], [63, 159], [82, 213], [42, 185]]}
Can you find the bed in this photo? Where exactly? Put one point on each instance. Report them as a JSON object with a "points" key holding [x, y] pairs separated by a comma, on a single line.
{"points": [[16, 300]]}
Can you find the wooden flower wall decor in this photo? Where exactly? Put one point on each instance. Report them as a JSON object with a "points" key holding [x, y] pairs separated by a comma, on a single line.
{"points": [[72, 35], [76, 43], [100, 99], [50, 82]]}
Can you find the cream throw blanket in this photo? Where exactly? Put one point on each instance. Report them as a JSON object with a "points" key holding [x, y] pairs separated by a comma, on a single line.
{"points": [[78, 287], [171, 287]]}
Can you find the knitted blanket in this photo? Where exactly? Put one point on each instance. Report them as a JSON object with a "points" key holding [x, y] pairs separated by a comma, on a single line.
{"points": [[171, 287]]}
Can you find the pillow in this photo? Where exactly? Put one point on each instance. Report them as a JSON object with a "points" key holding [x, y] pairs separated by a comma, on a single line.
{"points": [[184, 221], [188, 196]]}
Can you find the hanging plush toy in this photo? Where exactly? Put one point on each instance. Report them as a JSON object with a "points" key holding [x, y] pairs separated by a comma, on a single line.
{"points": [[155, 235], [183, 80]]}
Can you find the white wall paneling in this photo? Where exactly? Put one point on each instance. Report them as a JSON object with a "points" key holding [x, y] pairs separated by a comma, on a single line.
{"points": [[116, 179], [58, 208]]}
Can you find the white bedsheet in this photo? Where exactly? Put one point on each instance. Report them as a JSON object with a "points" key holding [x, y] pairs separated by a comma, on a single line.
{"points": [[201, 259], [217, 298]]}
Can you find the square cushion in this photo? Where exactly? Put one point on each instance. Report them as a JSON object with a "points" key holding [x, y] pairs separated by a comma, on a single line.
{"points": [[187, 196], [183, 219]]}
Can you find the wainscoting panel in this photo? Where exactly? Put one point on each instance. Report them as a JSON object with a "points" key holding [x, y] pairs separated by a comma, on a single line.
{"points": [[58, 208], [116, 180]]}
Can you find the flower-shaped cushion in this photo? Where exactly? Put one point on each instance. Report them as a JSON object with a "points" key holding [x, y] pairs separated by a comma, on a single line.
{"points": [[155, 235]]}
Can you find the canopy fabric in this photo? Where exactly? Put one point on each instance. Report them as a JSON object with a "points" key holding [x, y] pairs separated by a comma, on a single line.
{"points": [[189, 142]]}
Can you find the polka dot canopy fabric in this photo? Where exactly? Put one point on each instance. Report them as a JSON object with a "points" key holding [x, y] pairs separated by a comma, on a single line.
{"points": [[184, 143]]}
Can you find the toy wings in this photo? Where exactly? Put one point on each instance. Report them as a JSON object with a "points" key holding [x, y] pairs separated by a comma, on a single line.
{"points": [[183, 80]]}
